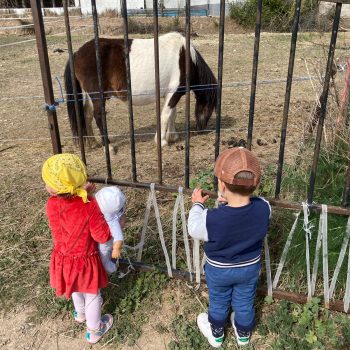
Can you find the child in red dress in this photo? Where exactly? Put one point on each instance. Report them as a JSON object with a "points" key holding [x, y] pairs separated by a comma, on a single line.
{"points": [[77, 226]]}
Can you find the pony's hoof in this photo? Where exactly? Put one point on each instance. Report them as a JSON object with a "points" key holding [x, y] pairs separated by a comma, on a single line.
{"points": [[173, 137], [93, 145], [164, 143], [113, 150]]}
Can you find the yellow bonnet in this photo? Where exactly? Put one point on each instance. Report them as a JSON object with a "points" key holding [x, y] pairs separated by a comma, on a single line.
{"points": [[66, 174]]}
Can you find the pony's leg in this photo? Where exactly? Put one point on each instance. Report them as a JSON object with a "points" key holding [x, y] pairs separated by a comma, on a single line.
{"points": [[172, 135], [89, 116], [167, 115], [98, 118]]}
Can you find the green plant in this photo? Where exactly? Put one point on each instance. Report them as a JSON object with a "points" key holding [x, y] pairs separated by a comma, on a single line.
{"points": [[305, 327], [277, 15], [187, 334], [204, 180], [133, 298]]}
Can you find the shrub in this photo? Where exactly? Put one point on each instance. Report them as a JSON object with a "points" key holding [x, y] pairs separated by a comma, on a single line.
{"points": [[277, 15]]}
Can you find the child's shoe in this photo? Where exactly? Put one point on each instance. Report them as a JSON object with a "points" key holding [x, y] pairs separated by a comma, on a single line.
{"points": [[205, 328], [110, 266], [243, 338], [79, 317], [93, 336]]}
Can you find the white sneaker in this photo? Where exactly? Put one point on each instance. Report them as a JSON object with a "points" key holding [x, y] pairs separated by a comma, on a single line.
{"points": [[243, 338], [93, 336], [205, 328], [79, 317]]}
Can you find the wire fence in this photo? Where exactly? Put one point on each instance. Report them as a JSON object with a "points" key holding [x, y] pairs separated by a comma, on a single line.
{"points": [[234, 84]]}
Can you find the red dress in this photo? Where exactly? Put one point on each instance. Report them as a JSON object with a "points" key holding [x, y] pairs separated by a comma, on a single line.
{"points": [[76, 229]]}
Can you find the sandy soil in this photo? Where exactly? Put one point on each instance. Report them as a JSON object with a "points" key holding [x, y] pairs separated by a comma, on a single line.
{"points": [[17, 332]]}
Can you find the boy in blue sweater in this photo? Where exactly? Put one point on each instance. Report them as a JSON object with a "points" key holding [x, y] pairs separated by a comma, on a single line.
{"points": [[233, 234]]}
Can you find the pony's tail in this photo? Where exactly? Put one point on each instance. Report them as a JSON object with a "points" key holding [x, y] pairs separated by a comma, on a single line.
{"points": [[73, 118], [205, 87]]}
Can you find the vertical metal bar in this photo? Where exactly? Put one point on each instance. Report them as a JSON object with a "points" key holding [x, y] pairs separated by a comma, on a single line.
{"points": [[287, 97], [157, 89], [346, 191], [46, 74], [188, 96], [100, 87], [124, 13], [219, 87], [323, 102], [74, 85], [220, 73], [254, 74]]}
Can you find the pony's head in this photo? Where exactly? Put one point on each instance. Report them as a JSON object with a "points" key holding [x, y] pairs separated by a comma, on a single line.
{"points": [[204, 86], [205, 105]]}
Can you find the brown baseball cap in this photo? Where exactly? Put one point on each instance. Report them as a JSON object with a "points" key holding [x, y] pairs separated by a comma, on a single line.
{"points": [[234, 160]]}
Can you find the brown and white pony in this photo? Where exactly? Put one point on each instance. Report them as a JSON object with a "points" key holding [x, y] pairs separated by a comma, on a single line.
{"points": [[172, 80]]}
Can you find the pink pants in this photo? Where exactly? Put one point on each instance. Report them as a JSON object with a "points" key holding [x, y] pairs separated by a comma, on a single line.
{"points": [[89, 305]]}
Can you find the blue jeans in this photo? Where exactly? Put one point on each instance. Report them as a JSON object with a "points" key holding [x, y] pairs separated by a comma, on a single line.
{"points": [[233, 287]]}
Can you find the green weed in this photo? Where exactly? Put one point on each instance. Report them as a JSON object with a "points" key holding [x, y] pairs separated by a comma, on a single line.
{"points": [[131, 299], [203, 180], [306, 327]]}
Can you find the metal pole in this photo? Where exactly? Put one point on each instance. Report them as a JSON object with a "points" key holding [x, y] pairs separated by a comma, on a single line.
{"points": [[254, 74], [74, 85], [336, 305], [287, 97], [188, 96], [101, 89], [323, 102], [124, 13], [220, 74], [157, 90], [174, 189], [346, 191], [46, 75]]}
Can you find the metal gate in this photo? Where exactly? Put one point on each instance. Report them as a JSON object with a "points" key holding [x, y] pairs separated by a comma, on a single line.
{"points": [[276, 201]]}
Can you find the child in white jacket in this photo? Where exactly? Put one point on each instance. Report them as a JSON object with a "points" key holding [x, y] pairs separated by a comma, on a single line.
{"points": [[112, 203]]}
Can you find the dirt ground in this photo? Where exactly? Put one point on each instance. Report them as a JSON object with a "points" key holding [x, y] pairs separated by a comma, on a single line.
{"points": [[18, 333], [25, 141]]}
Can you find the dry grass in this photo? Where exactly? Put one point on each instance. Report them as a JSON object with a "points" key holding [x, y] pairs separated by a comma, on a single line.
{"points": [[24, 142]]}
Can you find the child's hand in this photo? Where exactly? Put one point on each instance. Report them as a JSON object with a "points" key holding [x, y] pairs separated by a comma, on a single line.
{"points": [[197, 196], [222, 199], [90, 187], [117, 249]]}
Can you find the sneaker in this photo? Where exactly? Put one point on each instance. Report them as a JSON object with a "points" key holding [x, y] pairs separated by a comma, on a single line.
{"points": [[79, 317], [243, 338], [93, 336], [205, 327]]}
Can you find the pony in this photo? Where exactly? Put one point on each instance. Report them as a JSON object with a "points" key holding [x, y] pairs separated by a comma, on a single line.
{"points": [[172, 77]]}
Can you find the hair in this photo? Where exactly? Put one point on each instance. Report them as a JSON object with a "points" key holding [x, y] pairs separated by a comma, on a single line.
{"points": [[65, 195], [242, 190]]}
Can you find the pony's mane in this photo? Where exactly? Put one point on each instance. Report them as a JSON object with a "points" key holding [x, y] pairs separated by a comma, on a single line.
{"points": [[205, 84]]}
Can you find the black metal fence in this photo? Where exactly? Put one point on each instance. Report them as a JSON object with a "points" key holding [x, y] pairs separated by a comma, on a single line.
{"points": [[50, 101], [276, 201]]}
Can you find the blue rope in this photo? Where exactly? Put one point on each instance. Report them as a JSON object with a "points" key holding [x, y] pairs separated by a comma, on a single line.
{"points": [[53, 107], [59, 100]]}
